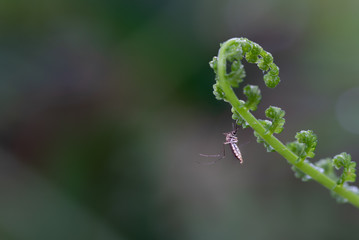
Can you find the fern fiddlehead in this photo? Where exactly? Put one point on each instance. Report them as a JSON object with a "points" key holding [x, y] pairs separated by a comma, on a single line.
{"points": [[230, 73]]}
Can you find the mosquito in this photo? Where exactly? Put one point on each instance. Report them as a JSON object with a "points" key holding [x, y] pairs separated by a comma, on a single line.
{"points": [[232, 140]]}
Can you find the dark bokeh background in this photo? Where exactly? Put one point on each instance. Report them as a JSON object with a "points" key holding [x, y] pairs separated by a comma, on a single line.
{"points": [[105, 106]]}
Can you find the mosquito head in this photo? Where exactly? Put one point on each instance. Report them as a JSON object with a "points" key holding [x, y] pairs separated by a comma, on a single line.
{"points": [[233, 132]]}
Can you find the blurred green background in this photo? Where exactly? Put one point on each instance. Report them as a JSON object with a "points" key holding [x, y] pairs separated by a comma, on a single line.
{"points": [[106, 105]]}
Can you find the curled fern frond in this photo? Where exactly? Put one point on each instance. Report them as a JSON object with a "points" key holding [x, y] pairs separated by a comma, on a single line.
{"points": [[265, 60], [235, 77], [213, 64], [309, 139], [271, 79], [230, 73], [252, 55], [234, 52], [343, 160], [218, 92], [277, 116], [238, 118], [253, 97]]}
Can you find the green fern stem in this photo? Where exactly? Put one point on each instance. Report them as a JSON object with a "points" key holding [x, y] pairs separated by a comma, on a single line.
{"points": [[277, 145]]}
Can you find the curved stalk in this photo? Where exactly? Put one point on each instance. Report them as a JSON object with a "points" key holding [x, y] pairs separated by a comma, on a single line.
{"points": [[304, 166]]}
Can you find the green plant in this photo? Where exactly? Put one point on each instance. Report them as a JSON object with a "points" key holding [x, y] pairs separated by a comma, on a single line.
{"points": [[230, 73]]}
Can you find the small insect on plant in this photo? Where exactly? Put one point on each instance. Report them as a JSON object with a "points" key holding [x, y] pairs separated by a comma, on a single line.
{"points": [[230, 73], [232, 140]]}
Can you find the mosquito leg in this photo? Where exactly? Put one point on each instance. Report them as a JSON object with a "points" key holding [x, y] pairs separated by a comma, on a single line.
{"points": [[224, 150], [204, 155], [217, 155]]}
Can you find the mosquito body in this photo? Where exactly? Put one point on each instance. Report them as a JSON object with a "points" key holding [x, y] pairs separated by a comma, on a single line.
{"points": [[232, 140]]}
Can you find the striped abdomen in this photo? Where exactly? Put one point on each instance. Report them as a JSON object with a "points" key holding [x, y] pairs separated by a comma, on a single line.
{"points": [[232, 140], [236, 152]]}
